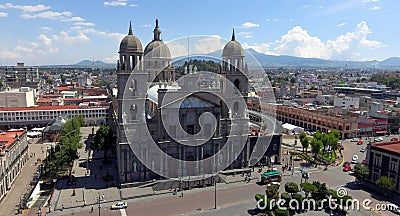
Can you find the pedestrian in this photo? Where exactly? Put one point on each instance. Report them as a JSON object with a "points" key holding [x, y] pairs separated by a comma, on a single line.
{"points": [[62, 207], [91, 210], [103, 197]]}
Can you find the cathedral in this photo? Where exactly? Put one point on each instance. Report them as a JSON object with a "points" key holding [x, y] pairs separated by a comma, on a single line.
{"points": [[171, 126]]}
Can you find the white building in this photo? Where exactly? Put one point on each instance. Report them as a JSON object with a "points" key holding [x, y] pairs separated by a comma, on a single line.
{"points": [[22, 97], [41, 115], [346, 102], [13, 156]]}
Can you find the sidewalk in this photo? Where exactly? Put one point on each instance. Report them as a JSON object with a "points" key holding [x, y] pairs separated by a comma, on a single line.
{"points": [[10, 204]]}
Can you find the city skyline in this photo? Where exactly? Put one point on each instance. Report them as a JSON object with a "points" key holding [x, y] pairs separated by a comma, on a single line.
{"points": [[64, 33]]}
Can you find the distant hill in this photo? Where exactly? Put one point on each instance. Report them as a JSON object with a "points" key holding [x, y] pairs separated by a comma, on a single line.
{"points": [[268, 61], [98, 64]]}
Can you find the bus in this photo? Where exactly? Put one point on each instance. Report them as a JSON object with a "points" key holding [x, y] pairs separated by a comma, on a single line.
{"points": [[271, 176]]}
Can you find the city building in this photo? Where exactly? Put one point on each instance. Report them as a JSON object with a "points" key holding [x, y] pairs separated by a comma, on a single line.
{"points": [[383, 160], [40, 116], [346, 102], [21, 76], [137, 109], [13, 156], [21, 97]]}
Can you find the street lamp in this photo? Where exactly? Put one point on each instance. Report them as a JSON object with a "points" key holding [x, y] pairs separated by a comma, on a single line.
{"points": [[215, 191]]}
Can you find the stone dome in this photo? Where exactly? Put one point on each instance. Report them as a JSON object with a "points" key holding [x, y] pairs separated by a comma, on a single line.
{"points": [[130, 43], [233, 48], [157, 49]]}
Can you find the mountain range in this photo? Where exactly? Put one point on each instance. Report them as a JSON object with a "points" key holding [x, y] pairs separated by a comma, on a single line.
{"points": [[272, 61]]}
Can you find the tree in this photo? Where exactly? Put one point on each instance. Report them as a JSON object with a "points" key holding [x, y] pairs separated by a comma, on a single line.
{"points": [[50, 81], [325, 142], [63, 78], [386, 184], [322, 191], [308, 188], [361, 172], [316, 146], [291, 187], [102, 140], [302, 135], [305, 142], [272, 192]]}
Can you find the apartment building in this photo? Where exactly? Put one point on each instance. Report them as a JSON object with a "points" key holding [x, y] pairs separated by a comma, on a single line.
{"points": [[13, 156], [383, 160], [94, 114]]}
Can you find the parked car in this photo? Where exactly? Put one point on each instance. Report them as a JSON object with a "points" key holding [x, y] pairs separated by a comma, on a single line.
{"points": [[346, 164], [362, 149], [347, 168], [364, 162], [351, 173], [119, 205], [354, 140], [360, 142], [354, 159], [394, 139], [378, 139]]}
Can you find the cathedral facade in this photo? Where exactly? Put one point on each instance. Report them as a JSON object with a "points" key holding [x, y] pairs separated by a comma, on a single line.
{"points": [[160, 122]]}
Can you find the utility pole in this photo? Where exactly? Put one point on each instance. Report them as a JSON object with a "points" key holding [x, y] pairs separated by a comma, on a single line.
{"points": [[215, 191], [98, 200]]}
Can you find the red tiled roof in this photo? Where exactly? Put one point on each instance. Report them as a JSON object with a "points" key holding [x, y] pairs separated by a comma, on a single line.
{"points": [[73, 99], [44, 100], [389, 146], [63, 88], [9, 137]]}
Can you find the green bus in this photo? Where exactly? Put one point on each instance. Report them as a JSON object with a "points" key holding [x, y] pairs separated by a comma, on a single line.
{"points": [[272, 176]]}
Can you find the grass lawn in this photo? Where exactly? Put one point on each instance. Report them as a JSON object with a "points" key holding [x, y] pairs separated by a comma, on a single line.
{"points": [[329, 156]]}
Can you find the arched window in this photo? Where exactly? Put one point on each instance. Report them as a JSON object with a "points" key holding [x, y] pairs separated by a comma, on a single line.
{"points": [[236, 108], [133, 87]]}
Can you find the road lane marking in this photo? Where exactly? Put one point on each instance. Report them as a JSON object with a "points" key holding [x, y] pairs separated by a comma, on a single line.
{"points": [[123, 212]]}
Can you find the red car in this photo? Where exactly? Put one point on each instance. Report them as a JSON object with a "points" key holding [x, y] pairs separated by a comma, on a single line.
{"points": [[347, 168], [360, 142], [364, 162], [394, 139]]}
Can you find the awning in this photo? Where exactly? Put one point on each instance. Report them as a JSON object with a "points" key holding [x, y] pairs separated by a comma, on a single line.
{"points": [[381, 132]]}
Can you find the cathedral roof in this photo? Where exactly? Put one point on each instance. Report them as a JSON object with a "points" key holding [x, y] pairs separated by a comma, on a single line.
{"points": [[157, 48], [232, 48], [130, 43]]}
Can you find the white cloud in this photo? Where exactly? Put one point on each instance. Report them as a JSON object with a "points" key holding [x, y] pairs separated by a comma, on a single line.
{"points": [[48, 15], [45, 28], [245, 34], [341, 24], [208, 44], [116, 3], [177, 49], [6, 54], [134, 5], [3, 14], [262, 48], [65, 37], [298, 42], [305, 6], [113, 35], [111, 59], [74, 19], [84, 24], [249, 25], [25, 8], [375, 8], [45, 39]]}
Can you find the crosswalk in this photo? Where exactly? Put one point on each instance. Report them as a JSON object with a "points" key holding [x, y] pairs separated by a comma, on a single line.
{"points": [[123, 212]]}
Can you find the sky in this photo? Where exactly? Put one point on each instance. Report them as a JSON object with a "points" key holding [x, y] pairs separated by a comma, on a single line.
{"points": [[66, 32]]}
